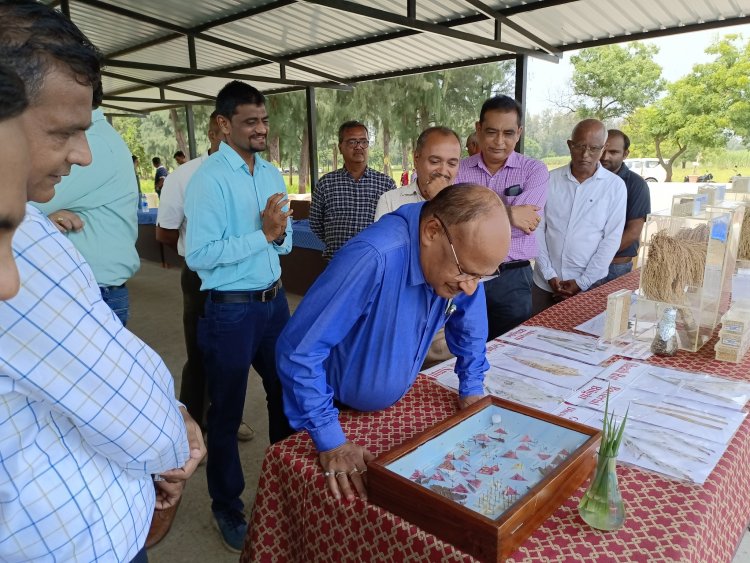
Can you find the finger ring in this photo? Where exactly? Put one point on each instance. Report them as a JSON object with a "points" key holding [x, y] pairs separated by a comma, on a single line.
{"points": [[327, 474], [355, 470], [340, 473], [59, 219]]}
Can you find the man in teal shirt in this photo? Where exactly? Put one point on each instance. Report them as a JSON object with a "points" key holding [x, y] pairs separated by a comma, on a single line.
{"points": [[236, 229], [96, 207]]}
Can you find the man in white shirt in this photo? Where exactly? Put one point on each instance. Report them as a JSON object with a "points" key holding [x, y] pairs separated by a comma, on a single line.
{"points": [[583, 220], [171, 227], [436, 159]]}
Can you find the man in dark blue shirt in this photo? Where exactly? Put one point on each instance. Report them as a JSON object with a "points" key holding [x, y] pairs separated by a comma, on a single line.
{"points": [[363, 330], [161, 173], [639, 202]]}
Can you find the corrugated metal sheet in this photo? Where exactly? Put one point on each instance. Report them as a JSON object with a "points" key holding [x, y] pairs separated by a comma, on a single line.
{"points": [[351, 46]]}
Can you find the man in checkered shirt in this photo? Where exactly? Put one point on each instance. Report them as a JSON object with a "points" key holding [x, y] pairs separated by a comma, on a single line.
{"points": [[344, 201], [87, 410]]}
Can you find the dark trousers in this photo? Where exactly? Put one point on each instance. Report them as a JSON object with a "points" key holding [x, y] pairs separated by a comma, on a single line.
{"points": [[193, 389], [232, 337], [508, 301], [118, 300], [140, 557], [542, 299]]}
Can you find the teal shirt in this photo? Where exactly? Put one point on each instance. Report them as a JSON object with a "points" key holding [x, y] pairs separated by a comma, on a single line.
{"points": [[105, 195], [225, 243]]}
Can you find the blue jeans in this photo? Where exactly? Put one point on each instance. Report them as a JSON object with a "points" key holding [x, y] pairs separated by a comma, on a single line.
{"points": [[615, 271], [118, 300], [232, 337], [508, 300]]}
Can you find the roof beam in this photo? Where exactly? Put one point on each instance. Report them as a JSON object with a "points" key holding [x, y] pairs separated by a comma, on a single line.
{"points": [[156, 85], [427, 27], [146, 100], [500, 18], [222, 74], [196, 33], [106, 104]]}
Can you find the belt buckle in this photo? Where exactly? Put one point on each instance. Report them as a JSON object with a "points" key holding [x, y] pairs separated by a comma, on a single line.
{"points": [[269, 294]]}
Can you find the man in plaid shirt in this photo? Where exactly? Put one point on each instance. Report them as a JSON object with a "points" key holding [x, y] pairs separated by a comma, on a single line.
{"points": [[521, 182], [344, 201]]}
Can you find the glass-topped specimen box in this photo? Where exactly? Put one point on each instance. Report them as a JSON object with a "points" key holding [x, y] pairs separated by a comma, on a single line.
{"points": [[487, 477]]}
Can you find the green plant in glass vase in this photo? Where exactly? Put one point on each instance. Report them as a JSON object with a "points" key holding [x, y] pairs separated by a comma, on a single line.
{"points": [[601, 506]]}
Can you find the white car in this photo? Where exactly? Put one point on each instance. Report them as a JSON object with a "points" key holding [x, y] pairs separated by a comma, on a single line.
{"points": [[647, 168]]}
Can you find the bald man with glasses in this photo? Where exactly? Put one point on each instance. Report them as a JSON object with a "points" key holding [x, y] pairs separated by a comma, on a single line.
{"points": [[583, 221], [362, 332]]}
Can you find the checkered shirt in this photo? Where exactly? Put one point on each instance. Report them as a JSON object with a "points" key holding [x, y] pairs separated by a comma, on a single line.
{"points": [[528, 173], [87, 413], [341, 207]]}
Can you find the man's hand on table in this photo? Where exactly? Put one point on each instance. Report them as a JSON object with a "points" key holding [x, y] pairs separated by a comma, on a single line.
{"points": [[344, 469], [464, 402]]}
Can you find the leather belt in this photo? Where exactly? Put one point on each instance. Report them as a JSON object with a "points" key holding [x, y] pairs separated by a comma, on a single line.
{"points": [[263, 295], [514, 264]]}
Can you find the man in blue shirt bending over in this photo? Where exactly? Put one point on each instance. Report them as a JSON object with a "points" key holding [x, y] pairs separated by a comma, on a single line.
{"points": [[363, 330]]}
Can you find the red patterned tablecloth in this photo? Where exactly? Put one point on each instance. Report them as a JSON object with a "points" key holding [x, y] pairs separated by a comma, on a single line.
{"points": [[295, 519]]}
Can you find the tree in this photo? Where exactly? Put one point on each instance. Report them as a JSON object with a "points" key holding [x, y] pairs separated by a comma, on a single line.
{"points": [[684, 118], [613, 81], [550, 129], [702, 109]]}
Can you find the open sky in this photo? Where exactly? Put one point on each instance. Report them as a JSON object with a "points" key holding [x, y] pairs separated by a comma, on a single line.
{"points": [[677, 55]]}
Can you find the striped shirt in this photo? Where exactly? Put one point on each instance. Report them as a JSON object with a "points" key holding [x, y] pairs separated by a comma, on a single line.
{"points": [[342, 207], [521, 170], [87, 413]]}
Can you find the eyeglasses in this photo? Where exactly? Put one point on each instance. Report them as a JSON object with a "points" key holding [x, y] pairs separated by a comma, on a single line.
{"points": [[462, 276], [582, 148], [352, 143]]}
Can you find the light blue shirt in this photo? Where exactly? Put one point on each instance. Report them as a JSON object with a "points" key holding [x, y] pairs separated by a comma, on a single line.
{"points": [[362, 331], [225, 242], [105, 196]]}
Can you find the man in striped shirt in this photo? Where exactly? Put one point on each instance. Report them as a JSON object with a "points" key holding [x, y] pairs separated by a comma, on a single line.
{"points": [[521, 182]]}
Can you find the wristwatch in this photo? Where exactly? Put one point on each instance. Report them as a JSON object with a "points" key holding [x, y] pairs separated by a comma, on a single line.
{"points": [[279, 241]]}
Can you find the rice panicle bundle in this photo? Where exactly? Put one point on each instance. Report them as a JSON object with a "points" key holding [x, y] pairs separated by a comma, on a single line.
{"points": [[743, 252], [674, 262]]}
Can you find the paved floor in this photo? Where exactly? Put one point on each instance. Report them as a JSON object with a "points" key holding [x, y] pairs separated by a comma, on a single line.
{"points": [[156, 317]]}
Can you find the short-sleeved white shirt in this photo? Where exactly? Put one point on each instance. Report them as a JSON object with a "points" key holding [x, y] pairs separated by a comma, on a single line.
{"points": [[172, 203]]}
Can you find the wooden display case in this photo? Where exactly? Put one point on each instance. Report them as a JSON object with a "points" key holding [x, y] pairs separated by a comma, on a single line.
{"points": [[487, 477]]}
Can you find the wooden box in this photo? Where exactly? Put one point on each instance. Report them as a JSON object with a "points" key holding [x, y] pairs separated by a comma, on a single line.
{"points": [[487, 477]]}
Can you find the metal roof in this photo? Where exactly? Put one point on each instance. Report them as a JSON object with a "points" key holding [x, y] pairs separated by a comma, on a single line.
{"points": [[162, 53]]}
